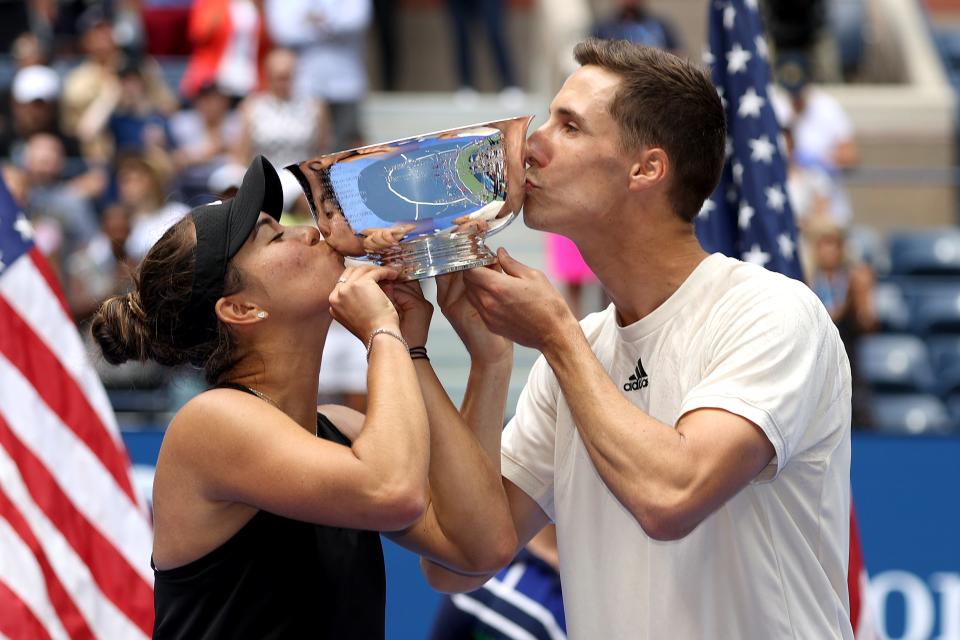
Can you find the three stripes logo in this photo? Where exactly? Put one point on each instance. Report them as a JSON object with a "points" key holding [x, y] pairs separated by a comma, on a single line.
{"points": [[637, 380]]}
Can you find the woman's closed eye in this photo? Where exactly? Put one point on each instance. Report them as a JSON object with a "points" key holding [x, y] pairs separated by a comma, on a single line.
{"points": [[277, 237]]}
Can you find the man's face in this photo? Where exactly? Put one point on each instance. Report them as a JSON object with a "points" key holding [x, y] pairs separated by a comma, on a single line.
{"points": [[576, 173]]}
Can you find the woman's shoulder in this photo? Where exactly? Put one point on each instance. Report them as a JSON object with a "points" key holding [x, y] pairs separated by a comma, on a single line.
{"points": [[212, 417]]}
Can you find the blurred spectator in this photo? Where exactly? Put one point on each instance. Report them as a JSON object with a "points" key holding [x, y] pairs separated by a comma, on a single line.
{"points": [[385, 18], [846, 290], [97, 74], [141, 185], [282, 126], [49, 197], [230, 42], [102, 267], [14, 21], [343, 370], [35, 100], [633, 21], [27, 50], [463, 12], [330, 38], [126, 112], [567, 267], [203, 137], [822, 134], [502, 609]]}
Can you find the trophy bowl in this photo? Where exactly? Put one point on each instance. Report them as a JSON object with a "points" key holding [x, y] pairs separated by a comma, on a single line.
{"points": [[423, 205]]}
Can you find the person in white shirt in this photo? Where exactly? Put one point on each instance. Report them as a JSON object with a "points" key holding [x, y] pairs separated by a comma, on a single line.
{"points": [[692, 441], [330, 38]]}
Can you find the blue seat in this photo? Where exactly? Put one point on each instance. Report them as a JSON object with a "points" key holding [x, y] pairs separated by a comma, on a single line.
{"points": [[895, 363], [944, 353], [890, 305], [928, 252], [937, 311], [911, 414]]}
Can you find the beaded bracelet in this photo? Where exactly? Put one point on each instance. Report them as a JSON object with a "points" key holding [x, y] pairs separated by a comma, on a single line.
{"points": [[388, 332]]}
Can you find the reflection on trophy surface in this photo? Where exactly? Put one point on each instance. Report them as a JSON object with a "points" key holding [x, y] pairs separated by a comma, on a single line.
{"points": [[425, 204]]}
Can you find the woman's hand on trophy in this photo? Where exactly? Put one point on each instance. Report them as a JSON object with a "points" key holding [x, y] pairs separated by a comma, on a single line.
{"points": [[483, 345], [359, 303], [415, 311]]}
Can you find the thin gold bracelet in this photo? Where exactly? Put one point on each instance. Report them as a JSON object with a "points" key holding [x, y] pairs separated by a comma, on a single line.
{"points": [[389, 332]]}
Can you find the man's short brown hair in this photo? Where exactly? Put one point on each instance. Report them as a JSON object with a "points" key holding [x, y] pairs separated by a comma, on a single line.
{"points": [[664, 101]]}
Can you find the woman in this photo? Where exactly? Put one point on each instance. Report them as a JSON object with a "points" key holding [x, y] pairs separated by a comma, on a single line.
{"points": [[264, 511]]}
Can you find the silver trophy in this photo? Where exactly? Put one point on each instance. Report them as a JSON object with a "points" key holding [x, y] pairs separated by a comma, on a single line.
{"points": [[424, 205]]}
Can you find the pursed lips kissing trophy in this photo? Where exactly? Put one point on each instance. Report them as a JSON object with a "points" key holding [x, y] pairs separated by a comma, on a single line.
{"points": [[440, 194]]}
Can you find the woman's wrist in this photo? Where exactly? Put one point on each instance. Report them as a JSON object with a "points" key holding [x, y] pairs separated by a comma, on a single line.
{"points": [[388, 333]]}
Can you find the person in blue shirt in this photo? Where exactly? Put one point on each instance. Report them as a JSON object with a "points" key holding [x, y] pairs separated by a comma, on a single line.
{"points": [[524, 600], [634, 22]]}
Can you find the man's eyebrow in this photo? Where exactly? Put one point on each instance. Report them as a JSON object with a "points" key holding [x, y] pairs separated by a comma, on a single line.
{"points": [[569, 114]]}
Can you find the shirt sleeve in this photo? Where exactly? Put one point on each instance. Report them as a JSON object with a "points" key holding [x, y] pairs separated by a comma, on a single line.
{"points": [[766, 364], [529, 439]]}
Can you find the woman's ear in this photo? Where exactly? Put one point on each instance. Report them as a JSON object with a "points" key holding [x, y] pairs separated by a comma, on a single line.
{"points": [[650, 168], [233, 311]]}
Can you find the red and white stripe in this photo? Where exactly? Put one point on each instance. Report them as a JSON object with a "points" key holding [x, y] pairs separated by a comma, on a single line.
{"points": [[74, 534]]}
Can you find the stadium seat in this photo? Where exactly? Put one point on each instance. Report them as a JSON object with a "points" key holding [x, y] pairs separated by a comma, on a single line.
{"points": [[895, 363], [893, 312], [911, 414], [865, 244], [930, 252], [937, 311], [945, 358]]}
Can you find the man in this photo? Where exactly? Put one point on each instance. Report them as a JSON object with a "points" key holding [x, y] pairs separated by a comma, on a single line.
{"points": [[691, 442]]}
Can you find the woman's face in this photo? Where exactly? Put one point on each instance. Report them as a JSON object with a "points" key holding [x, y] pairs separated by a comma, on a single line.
{"points": [[291, 269]]}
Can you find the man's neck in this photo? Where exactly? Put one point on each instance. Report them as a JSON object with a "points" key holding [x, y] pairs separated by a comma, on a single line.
{"points": [[641, 268]]}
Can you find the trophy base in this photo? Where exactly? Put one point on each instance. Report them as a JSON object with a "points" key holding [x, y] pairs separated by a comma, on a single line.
{"points": [[435, 255]]}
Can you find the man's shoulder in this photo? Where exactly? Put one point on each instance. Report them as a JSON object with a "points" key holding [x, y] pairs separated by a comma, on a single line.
{"points": [[758, 291]]}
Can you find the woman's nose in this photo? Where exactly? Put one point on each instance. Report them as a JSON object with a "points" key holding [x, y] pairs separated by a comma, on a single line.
{"points": [[311, 234]]}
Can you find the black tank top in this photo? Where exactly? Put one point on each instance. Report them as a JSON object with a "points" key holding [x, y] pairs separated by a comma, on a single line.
{"points": [[278, 578]]}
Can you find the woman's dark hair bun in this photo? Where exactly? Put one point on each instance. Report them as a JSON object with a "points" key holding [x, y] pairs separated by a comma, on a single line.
{"points": [[119, 329]]}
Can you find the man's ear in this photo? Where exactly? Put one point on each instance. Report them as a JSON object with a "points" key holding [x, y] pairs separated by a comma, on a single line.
{"points": [[650, 168], [234, 311]]}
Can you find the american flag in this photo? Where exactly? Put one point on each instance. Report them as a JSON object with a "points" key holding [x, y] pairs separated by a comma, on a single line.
{"points": [[75, 537], [749, 215]]}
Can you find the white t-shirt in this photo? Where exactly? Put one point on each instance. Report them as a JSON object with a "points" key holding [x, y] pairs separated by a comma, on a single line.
{"points": [[772, 561]]}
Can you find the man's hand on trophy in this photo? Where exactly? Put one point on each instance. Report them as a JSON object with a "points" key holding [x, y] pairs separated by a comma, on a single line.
{"points": [[483, 345], [415, 311], [519, 303]]}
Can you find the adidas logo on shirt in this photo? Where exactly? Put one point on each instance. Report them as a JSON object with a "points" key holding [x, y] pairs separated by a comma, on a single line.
{"points": [[637, 380]]}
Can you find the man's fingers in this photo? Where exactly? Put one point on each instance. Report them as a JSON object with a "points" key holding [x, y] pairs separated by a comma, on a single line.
{"points": [[509, 265], [482, 277]]}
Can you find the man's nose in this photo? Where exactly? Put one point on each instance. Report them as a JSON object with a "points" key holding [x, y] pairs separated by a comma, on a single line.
{"points": [[534, 155]]}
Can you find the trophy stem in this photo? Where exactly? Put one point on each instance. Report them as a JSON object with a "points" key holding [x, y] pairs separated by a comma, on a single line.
{"points": [[431, 256]]}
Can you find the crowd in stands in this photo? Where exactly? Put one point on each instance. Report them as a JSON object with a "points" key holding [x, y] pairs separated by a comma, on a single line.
{"points": [[105, 147]]}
